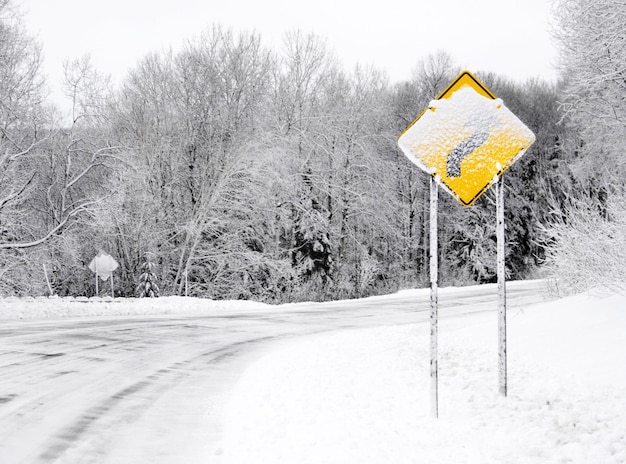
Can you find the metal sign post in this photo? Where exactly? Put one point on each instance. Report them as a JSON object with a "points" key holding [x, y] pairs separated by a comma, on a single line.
{"points": [[502, 374], [466, 139], [434, 271]]}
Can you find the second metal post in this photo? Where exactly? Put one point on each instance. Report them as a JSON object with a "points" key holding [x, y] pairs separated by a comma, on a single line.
{"points": [[502, 361], [434, 270]]}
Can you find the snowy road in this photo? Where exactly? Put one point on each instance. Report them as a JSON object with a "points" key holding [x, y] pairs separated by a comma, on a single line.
{"points": [[150, 388]]}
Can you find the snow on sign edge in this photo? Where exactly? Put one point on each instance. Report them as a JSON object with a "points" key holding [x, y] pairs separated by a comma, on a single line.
{"points": [[504, 142]]}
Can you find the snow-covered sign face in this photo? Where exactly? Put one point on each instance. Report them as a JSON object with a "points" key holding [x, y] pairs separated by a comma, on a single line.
{"points": [[103, 264], [466, 138]]}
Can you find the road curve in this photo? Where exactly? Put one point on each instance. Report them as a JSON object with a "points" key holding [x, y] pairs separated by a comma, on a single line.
{"points": [[150, 388]]}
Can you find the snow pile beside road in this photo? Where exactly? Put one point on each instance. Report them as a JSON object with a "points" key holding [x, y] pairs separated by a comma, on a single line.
{"points": [[13, 308], [54, 307], [363, 396]]}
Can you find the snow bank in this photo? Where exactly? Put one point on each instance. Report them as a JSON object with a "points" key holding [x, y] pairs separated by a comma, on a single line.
{"points": [[14, 308], [362, 396], [55, 307]]}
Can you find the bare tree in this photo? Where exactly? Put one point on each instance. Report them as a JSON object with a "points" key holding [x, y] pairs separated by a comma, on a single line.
{"points": [[592, 62], [433, 73], [24, 127], [73, 159], [22, 123], [190, 120]]}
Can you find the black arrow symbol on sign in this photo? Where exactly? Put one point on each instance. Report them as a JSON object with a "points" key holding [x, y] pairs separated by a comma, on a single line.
{"points": [[462, 150]]}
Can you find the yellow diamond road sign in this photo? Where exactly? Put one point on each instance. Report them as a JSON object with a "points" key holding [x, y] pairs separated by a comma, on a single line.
{"points": [[466, 139]]}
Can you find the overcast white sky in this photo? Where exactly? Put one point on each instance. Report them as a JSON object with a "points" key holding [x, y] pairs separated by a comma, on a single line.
{"points": [[509, 37]]}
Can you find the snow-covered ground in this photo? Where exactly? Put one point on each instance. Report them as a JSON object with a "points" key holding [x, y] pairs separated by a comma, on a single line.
{"points": [[362, 396], [14, 308], [357, 393]]}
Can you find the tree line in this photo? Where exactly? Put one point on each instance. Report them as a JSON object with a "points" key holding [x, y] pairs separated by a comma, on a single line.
{"points": [[251, 173]]}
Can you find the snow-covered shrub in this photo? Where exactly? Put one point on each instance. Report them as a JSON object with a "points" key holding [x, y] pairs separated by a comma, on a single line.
{"points": [[586, 247]]}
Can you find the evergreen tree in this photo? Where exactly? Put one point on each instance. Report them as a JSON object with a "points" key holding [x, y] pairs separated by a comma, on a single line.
{"points": [[147, 281]]}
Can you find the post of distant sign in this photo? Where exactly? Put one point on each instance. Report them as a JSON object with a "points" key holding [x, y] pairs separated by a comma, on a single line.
{"points": [[103, 266]]}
